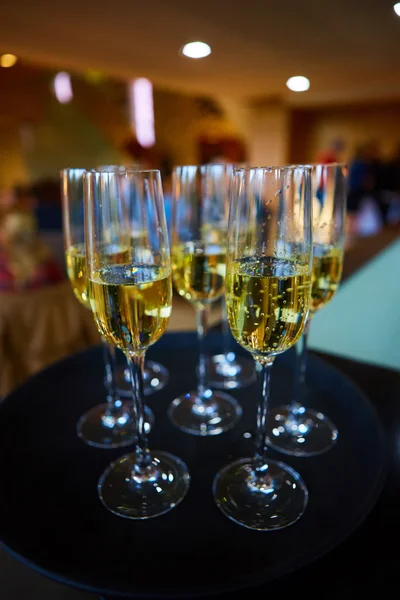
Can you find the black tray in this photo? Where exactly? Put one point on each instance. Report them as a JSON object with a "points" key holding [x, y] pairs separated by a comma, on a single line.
{"points": [[51, 518]]}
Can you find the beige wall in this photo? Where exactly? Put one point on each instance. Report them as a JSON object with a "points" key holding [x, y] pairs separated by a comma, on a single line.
{"points": [[175, 126], [13, 166], [312, 131], [37, 139], [39, 136], [264, 127], [269, 131], [67, 137], [179, 122]]}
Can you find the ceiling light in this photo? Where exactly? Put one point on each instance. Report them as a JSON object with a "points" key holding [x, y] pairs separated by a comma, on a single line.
{"points": [[298, 83], [8, 60], [142, 111], [396, 8], [196, 50], [63, 87]]}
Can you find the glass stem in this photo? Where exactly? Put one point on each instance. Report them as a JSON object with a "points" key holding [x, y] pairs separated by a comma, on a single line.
{"points": [[202, 384], [136, 368], [264, 374], [226, 334], [110, 363], [299, 388]]}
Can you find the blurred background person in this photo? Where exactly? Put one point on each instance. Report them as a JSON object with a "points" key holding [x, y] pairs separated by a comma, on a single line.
{"points": [[365, 213], [47, 204], [166, 175], [26, 262], [358, 173], [394, 170], [333, 153], [393, 191], [376, 177], [23, 198]]}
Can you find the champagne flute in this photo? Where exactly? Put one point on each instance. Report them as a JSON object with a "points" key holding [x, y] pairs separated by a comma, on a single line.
{"points": [[295, 429], [111, 424], [156, 376], [199, 226], [267, 295], [131, 304], [227, 370]]}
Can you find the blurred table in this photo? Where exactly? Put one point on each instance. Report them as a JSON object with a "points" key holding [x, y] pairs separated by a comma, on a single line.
{"points": [[183, 315], [364, 249], [363, 321]]}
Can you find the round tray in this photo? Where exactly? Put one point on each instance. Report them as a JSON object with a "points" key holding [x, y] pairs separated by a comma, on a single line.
{"points": [[52, 519]]}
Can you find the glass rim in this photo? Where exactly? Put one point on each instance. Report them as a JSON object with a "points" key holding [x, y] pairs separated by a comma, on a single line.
{"points": [[71, 169], [272, 169], [332, 165], [204, 166], [148, 171], [121, 171]]}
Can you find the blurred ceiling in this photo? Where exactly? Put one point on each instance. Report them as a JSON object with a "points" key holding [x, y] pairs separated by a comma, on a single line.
{"points": [[349, 49]]}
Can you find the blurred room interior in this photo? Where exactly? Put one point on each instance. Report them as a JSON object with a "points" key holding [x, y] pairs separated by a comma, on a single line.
{"points": [[84, 85]]}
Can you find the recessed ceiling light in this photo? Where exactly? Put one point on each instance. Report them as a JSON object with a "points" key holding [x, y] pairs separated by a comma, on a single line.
{"points": [[298, 83], [396, 8], [196, 50], [8, 60]]}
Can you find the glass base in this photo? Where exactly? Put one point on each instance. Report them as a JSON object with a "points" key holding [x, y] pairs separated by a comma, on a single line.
{"points": [[191, 415], [273, 499], [156, 377], [307, 434], [229, 372], [98, 428], [131, 494]]}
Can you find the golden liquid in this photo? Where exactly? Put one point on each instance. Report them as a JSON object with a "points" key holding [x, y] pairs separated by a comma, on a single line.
{"points": [[326, 275], [131, 305], [199, 272], [267, 303], [75, 258]]}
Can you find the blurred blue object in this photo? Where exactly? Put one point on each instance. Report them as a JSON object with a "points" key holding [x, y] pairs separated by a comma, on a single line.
{"points": [[362, 322], [168, 211], [49, 218]]}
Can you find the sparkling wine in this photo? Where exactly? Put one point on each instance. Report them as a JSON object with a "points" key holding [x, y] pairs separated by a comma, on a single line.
{"points": [[131, 304], [199, 271], [75, 259], [326, 275], [267, 303]]}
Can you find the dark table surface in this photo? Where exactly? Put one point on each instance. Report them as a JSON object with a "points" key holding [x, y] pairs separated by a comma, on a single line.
{"points": [[366, 563]]}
